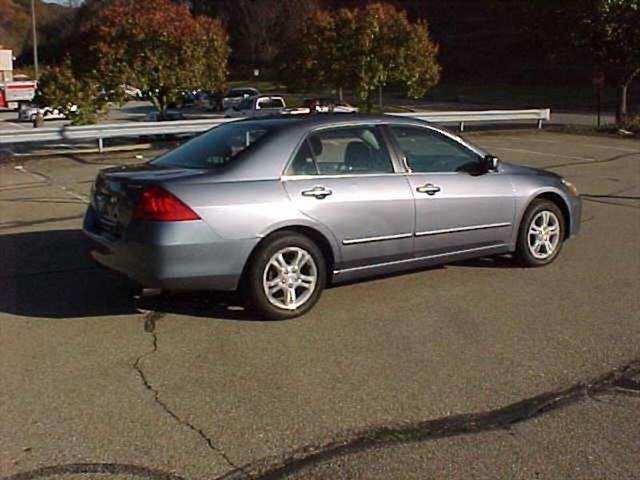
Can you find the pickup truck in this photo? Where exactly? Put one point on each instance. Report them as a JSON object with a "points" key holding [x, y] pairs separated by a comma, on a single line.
{"points": [[257, 106]]}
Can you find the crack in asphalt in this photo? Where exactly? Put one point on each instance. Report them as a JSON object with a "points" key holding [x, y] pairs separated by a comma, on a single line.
{"points": [[620, 380], [94, 469], [593, 162], [614, 204], [150, 319]]}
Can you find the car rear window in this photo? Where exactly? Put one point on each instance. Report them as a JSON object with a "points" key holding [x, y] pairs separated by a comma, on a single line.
{"points": [[217, 147], [270, 103]]}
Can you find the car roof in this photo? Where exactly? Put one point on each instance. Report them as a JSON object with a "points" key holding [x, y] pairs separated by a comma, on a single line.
{"points": [[330, 119]]}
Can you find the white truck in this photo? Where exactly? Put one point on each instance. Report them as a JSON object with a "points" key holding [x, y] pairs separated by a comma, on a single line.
{"points": [[13, 92], [257, 106]]}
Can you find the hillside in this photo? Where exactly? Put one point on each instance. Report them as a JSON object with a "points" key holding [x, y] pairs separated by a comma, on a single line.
{"points": [[15, 22]]}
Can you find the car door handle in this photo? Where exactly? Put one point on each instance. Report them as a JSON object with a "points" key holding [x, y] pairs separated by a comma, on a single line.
{"points": [[318, 191], [429, 189]]}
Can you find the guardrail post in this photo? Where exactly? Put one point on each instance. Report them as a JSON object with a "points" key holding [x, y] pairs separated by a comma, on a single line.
{"points": [[461, 127], [540, 124], [100, 145]]}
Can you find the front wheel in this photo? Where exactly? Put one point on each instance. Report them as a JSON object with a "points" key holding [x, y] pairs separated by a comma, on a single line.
{"points": [[285, 277], [541, 234]]}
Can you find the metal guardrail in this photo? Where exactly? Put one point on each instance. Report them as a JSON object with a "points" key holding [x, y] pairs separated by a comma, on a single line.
{"points": [[138, 129], [485, 116]]}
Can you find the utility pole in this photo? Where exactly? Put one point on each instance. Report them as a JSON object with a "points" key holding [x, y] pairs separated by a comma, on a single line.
{"points": [[35, 39]]}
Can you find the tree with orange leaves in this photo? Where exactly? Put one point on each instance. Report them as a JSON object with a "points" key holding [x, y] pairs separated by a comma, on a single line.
{"points": [[159, 47], [362, 49]]}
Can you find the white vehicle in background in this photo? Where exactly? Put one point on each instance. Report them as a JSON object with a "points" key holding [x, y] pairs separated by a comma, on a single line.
{"points": [[237, 95], [16, 93], [28, 113], [328, 105], [259, 106], [131, 92]]}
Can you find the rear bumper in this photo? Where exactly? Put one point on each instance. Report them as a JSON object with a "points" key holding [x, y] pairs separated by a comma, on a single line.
{"points": [[171, 255]]}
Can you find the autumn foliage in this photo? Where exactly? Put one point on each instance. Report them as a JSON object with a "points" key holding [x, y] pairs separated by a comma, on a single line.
{"points": [[80, 98], [159, 47], [363, 48]]}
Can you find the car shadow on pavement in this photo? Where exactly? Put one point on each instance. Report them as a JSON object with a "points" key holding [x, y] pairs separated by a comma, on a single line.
{"points": [[498, 261], [214, 305], [49, 274]]}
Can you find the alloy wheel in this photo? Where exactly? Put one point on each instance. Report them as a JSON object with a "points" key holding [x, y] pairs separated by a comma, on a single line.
{"points": [[290, 278], [543, 236]]}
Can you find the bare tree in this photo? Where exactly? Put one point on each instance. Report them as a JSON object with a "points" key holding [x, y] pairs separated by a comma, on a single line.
{"points": [[261, 29]]}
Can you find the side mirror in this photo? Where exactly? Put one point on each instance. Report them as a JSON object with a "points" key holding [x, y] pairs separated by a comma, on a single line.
{"points": [[490, 163]]}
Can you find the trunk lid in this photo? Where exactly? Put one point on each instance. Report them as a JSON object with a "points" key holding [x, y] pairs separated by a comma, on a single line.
{"points": [[116, 191]]}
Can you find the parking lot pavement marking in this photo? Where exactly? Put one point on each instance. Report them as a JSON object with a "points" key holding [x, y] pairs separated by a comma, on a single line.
{"points": [[50, 181]]}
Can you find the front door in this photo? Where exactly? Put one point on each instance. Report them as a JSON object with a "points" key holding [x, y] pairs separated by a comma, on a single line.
{"points": [[343, 177], [458, 206]]}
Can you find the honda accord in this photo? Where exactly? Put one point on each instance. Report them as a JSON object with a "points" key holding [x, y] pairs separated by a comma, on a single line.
{"points": [[281, 207]]}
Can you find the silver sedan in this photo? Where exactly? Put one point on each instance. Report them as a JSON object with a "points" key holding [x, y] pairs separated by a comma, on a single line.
{"points": [[280, 208]]}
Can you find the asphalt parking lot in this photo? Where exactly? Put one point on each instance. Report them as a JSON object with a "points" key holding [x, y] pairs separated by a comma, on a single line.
{"points": [[474, 370]]}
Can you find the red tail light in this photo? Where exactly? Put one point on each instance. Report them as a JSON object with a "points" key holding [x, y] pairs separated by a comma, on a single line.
{"points": [[157, 205]]}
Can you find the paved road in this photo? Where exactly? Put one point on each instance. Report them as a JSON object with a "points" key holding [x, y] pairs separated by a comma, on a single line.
{"points": [[133, 111], [93, 382]]}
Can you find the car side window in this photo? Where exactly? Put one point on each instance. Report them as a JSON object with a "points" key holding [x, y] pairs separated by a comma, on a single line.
{"points": [[429, 151], [303, 163], [343, 151]]}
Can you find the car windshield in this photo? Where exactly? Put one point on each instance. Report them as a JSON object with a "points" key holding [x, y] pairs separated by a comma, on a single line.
{"points": [[217, 147]]}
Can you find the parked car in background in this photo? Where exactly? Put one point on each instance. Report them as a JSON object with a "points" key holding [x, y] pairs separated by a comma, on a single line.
{"points": [[28, 113], [236, 95], [328, 105], [260, 106], [169, 116], [281, 207]]}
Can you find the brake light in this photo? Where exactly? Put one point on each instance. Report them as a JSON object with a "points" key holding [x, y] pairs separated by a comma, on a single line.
{"points": [[157, 205]]}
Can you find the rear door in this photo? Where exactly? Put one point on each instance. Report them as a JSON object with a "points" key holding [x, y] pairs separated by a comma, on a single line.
{"points": [[344, 178], [458, 206]]}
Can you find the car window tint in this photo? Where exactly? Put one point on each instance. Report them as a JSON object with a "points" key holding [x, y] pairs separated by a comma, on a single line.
{"points": [[429, 151], [349, 151], [303, 163], [216, 147]]}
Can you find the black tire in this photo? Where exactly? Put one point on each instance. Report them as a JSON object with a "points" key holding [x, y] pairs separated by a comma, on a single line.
{"points": [[524, 254], [253, 291]]}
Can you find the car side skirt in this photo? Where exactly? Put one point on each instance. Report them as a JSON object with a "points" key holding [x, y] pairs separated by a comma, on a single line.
{"points": [[355, 273]]}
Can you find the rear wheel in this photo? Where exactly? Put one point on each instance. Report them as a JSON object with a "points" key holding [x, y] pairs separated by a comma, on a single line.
{"points": [[541, 234], [285, 277]]}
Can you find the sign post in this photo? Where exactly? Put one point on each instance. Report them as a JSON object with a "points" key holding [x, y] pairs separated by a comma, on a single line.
{"points": [[598, 83]]}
